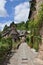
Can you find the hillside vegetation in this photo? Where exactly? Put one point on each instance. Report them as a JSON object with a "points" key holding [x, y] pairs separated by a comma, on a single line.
{"points": [[35, 25], [5, 48], [33, 39]]}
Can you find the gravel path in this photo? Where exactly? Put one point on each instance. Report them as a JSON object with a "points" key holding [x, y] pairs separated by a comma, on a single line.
{"points": [[24, 56]]}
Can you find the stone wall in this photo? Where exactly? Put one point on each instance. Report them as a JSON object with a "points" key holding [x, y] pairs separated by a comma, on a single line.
{"points": [[38, 3], [37, 6], [33, 16], [40, 55]]}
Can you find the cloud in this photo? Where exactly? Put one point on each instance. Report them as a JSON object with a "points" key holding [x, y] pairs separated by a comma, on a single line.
{"points": [[11, 0], [3, 24], [3, 12], [22, 12]]}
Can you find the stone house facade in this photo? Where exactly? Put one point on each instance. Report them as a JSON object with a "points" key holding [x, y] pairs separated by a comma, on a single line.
{"points": [[11, 31]]}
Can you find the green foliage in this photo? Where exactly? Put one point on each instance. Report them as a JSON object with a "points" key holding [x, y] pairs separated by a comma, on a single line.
{"points": [[9, 41], [33, 41], [13, 24], [26, 25], [35, 24], [20, 26], [28, 40], [3, 51], [3, 40], [5, 28], [37, 40], [5, 48], [33, 3], [0, 36], [36, 46]]}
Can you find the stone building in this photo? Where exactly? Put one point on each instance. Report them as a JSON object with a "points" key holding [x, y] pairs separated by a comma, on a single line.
{"points": [[11, 31], [14, 33]]}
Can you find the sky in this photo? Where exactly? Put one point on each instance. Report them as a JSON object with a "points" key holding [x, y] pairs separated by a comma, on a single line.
{"points": [[13, 10]]}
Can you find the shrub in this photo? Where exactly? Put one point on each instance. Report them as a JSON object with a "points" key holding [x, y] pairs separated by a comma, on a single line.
{"points": [[5, 48], [3, 40], [27, 39], [0, 36], [36, 46], [9, 41], [3, 51]]}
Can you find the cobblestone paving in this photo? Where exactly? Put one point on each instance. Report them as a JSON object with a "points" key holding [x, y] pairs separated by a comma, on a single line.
{"points": [[24, 56], [25, 52]]}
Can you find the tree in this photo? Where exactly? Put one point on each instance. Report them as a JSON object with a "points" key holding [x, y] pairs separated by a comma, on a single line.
{"points": [[0, 36], [5, 27], [27, 24], [12, 24], [20, 26]]}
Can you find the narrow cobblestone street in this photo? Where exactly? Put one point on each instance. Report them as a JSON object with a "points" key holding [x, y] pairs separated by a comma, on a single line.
{"points": [[24, 56]]}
